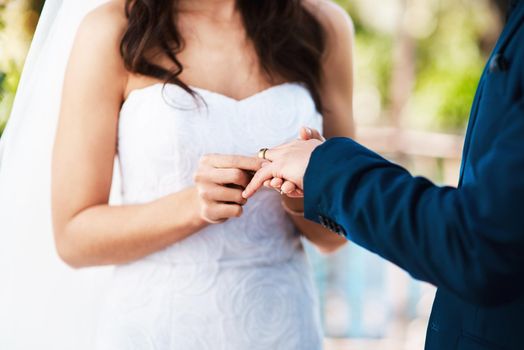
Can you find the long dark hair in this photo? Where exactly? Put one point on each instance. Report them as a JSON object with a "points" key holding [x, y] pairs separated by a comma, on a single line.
{"points": [[288, 40]]}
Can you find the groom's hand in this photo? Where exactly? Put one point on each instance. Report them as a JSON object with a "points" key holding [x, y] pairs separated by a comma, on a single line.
{"points": [[287, 162]]}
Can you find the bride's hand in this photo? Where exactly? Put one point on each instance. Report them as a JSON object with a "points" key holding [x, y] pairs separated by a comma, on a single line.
{"points": [[287, 187], [220, 180]]}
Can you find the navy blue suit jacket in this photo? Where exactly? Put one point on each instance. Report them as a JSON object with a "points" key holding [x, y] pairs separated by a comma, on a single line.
{"points": [[467, 241]]}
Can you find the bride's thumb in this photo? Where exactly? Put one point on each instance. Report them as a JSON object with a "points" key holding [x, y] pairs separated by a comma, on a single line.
{"points": [[305, 133], [309, 134]]}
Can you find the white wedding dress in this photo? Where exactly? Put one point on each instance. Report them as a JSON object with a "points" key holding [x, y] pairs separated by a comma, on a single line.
{"points": [[244, 284]]}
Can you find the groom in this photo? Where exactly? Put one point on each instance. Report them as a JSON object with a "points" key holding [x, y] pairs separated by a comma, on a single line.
{"points": [[467, 241]]}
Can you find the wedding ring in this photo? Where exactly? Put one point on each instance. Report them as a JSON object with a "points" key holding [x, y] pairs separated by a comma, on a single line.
{"points": [[262, 153]]}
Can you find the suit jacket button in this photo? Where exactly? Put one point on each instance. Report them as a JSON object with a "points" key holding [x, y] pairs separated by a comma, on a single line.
{"points": [[498, 64]]}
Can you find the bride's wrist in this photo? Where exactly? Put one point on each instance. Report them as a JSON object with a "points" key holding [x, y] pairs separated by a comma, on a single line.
{"points": [[198, 220], [293, 206]]}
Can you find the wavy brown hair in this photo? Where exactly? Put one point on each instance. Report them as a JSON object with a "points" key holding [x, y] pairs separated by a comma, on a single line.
{"points": [[288, 40]]}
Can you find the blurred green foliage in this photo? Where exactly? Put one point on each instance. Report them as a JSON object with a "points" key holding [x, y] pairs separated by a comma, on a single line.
{"points": [[8, 83], [450, 62], [449, 54], [3, 75], [18, 20]]}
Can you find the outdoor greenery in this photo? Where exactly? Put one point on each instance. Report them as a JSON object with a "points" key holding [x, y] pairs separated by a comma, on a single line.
{"points": [[18, 20], [448, 42], [437, 48]]}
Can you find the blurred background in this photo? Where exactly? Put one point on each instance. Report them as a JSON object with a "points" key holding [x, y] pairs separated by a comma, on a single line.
{"points": [[417, 66]]}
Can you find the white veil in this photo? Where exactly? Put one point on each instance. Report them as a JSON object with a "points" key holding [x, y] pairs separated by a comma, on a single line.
{"points": [[43, 303]]}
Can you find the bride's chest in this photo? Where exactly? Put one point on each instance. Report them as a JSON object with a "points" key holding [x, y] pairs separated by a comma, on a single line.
{"points": [[165, 121]]}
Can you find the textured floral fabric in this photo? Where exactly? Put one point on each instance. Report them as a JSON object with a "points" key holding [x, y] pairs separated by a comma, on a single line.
{"points": [[243, 284]]}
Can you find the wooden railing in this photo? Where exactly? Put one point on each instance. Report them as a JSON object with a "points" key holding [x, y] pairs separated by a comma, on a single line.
{"points": [[410, 142]]}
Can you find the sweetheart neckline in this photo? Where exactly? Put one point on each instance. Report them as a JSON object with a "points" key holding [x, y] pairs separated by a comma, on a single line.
{"points": [[215, 93]]}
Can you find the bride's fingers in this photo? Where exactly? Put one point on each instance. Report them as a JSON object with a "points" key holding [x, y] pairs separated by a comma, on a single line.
{"points": [[288, 187], [305, 133], [309, 134], [295, 194], [222, 194], [226, 176], [216, 213], [267, 183], [276, 183]]}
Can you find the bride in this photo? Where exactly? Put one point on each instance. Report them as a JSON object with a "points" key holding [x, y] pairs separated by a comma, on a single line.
{"points": [[184, 93]]}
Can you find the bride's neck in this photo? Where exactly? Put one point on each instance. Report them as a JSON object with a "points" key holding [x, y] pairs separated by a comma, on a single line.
{"points": [[223, 10]]}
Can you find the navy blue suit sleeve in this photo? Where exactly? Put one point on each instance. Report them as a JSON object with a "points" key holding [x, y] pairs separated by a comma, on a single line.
{"points": [[469, 240]]}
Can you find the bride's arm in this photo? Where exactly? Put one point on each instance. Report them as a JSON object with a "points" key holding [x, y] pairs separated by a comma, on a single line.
{"points": [[87, 230], [337, 97]]}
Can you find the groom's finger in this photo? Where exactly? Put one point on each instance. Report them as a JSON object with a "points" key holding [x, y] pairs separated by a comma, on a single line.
{"points": [[261, 176], [288, 187]]}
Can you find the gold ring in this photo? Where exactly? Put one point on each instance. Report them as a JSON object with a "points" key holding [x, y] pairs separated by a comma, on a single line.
{"points": [[262, 153]]}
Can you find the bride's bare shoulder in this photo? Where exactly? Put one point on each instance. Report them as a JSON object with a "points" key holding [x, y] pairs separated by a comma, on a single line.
{"points": [[97, 46], [333, 17], [106, 22], [340, 33]]}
